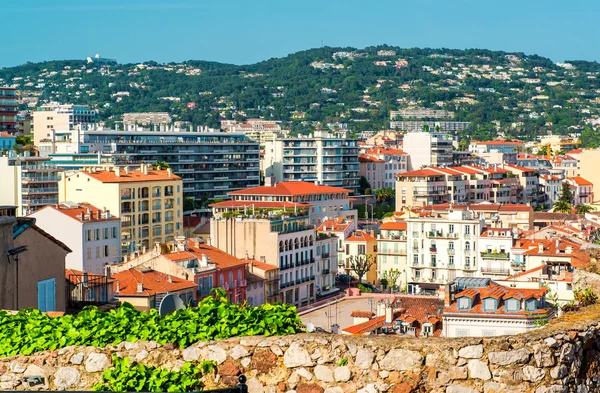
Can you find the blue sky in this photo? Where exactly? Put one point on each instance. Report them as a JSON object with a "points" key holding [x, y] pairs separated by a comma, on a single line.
{"points": [[243, 31]]}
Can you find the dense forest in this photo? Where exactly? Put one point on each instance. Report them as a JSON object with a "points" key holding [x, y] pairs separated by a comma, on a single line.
{"points": [[510, 94]]}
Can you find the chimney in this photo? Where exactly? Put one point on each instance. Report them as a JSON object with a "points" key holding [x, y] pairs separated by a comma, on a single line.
{"points": [[99, 214], [380, 309], [569, 250], [117, 171], [169, 172], [140, 287], [541, 247], [372, 232], [118, 286], [446, 292], [389, 313], [126, 170], [107, 271]]}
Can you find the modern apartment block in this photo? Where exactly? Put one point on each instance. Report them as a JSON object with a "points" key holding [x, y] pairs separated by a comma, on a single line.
{"points": [[28, 183], [322, 157], [417, 125], [421, 113], [59, 117], [428, 149], [257, 130], [441, 249], [94, 235], [8, 110], [381, 165], [209, 163], [270, 233], [148, 202]]}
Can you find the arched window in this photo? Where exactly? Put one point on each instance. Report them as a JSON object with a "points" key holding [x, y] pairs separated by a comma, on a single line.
{"points": [[296, 243], [281, 246], [467, 246], [230, 278], [310, 240], [221, 280]]}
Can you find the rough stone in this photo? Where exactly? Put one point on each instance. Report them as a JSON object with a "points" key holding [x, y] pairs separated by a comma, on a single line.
{"points": [[245, 362], [505, 358], [551, 342], [66, 377], [403, 387], [334, 389], [191, 354], [141, 355], [457, 372], [254, 386], [370, 388], [277, 350], [479, 370], [559, 372], [309, 388], [96, 362], [323, 373], [460, 389], [293, 380], [494, 387], [296, 356], [77, 358], [364, 358], [35, 370], [533, 374], [238, 352], [216, 353], [263, 361], [343, 374], [229, 368], [401, 360], [304, 373], [131, 345], [17, 367], [471, 352], [567, 353], [543, 356], [384, 374]]}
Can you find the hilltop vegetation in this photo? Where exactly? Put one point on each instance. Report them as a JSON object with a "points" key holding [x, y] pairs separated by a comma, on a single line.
{"points": [[522, 95]]}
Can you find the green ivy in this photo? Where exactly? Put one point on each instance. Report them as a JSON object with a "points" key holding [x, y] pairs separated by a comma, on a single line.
{"points": [[215, 317], [124, 376]]}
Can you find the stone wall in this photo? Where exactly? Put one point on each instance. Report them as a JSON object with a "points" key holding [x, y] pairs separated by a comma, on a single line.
{"points": [[561, 357]]}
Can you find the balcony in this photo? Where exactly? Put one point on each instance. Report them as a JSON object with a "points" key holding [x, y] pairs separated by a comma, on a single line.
{"points": [[495, 271], [325, 255], [469, 267], [325, 271], [441, 235], [312, 278], [432, 249], [495, 255], [40, 190], [243, 283], [451, 251]]}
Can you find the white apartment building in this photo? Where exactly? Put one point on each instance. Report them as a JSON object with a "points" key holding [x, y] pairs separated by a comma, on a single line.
{"points": [[380, 166], [421, 113], [257, 130], [93, 234], [495, 245], [552, 187], [441, 249], [59, 117], [326, 251], [322, 157], [428, 149], [28, 182], [392, 251]]}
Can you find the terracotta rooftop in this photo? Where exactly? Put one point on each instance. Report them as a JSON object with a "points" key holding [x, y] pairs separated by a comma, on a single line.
{"points": [[393, 226], [580, 181], [360, 236], [105, 176], [362, 314], [77, 277], [91, 213], [260, 265], [260, 204], [153, 282], [339, 224], [368, 158], [291, 188]]}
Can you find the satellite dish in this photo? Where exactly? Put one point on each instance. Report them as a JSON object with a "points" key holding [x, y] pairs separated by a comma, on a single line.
{"points": [[310, 327], [169, 304]]}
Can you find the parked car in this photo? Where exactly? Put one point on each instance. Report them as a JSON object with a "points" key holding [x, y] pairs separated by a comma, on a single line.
{"points": [[344, 278], [371, 287]]}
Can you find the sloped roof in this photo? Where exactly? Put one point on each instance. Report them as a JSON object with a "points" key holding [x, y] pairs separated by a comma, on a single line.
{"points": [[360, 236], [291, 188], [105, 176], [153, 282], [260, 204], [393, 226]]}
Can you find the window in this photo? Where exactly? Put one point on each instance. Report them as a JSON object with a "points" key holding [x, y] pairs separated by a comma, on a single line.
{"points": [[427, 329], [489, 304], [97, 251], [462, 333], [464, 303], [88, 235], [451, 246], [105, 233], [467, 230], [488, 333], [106, 251], [467, 261], [114, 232], [97, 234], [451, 260], [89, 253], [114, 251], [531, 305], [467, 246], [451, 228], [512, 304]]}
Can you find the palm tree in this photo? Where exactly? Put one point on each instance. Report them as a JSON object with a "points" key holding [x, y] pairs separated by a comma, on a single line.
{"points": [[583, 208], [561, 206]]}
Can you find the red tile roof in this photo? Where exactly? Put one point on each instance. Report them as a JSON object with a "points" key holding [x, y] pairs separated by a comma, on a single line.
{"points": [[191, 221], [260, 265], [133, 176], [386, 151], [520, 168], [153, 282], [362, 314], [360, 236], [420, 173], [498, 143], [291, 188], [81, 210], [367, 158], [260, 204], [393, 226], [214, 255], [339, 224], [580, 181], [76, 276]]}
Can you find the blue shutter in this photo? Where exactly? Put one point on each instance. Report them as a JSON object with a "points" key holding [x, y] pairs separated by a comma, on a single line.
{"points": [[47, 295]]}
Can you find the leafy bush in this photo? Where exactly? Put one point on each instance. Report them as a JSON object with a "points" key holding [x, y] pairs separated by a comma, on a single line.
{"points": [[364, 289], [216, 317], [126, 377], [342, 362], [585, 297]]}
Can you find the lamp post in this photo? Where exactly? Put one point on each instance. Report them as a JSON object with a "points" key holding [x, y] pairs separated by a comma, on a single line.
{"points": [[13, 256]]}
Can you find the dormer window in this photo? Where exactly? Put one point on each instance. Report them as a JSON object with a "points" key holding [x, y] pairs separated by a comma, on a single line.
{"points": [[464, 303], [427, 329], [490, 304], [512, 304], [531, 304]]}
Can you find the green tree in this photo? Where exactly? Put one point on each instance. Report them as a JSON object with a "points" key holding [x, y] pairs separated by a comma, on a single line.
{"points": [[563, 204], [160, 165], [361, 264], [543, 151], [583, 208], [393, 276], [363, 185]]}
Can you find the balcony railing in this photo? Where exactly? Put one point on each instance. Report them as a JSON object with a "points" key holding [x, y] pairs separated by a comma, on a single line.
{"points": [[441, 235], [325, 255], [493, 270], [325, 271], [495, 255]]}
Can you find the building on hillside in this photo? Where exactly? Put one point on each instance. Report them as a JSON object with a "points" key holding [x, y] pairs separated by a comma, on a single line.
{"points": [[558, 281], [160, 119], [101, 61], [421, 113], [8, 110], [7, 142], [147, 201], [504, 216], [498, 146], [391, 252], [417, 125], [255, 289], [93, 234], [359, 244], [322, 158], [261, 131], [552, 188], [325, 201], [538, 163], [531, 191], [270, 275], [428, 149], [28, 183], [382, 174], [405, 315], [326, 251], [277, 233], [566, 164], [429, 187], [441, 249], [558, 143], [583, 190], [479, 307], [145, 288], [494, 256], [209, 163], [59, 118], [32, 268]]}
